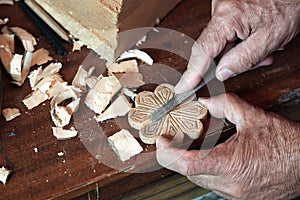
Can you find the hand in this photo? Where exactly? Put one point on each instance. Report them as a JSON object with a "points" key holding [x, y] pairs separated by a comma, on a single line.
{"points": [[262, 26], [261, 161]]}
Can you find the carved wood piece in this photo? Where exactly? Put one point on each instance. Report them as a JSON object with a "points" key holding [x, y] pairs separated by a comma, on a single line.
{"points": [[184, 119]]}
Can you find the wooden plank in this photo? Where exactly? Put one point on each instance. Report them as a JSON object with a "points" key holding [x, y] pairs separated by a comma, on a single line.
{"points": [[98, 22]]}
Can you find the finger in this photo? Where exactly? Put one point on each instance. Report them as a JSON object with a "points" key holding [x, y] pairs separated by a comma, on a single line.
{"points": [[267, 61], [213, 6], [210, 43], [198, 64], [228, 106], [242, 57], [183, 161]]}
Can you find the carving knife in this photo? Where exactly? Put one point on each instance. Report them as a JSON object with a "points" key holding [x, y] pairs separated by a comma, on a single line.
{"points": [[179, 98]]}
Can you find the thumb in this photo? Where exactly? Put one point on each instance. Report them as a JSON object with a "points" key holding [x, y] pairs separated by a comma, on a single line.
{"points": [[228, 106]]}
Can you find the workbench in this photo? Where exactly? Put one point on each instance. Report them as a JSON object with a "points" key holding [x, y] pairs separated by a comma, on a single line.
{"points": [[42, 174]]}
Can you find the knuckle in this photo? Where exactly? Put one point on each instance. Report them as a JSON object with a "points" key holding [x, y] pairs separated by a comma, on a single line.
{"points": [[224, 6]]}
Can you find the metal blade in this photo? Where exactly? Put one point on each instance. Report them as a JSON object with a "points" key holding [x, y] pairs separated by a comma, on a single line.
{"points": [[179, 98]]}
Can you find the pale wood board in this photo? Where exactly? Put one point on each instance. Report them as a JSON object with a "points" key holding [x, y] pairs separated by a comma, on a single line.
{"points": [[98, 22]]}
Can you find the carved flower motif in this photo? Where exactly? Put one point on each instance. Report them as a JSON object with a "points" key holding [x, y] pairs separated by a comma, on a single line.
{"points": [[184, 119]]}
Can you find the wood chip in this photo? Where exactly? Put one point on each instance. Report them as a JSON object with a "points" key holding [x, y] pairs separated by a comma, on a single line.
{"points": [[130, 80], [184, 119], [124, 67], [62, 134], [124, 145], [119, 107], [136, 54], [101, 94], [40, 57], [129, 93], [10, 113], [4, 173], [27, 39]]}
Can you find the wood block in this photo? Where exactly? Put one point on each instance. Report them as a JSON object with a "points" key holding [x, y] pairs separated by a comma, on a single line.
{"points": [[98, 22], [183, 119]]}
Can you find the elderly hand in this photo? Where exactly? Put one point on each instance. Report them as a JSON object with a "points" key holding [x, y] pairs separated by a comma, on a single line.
{"points": [[261, 161], [263, 26]]}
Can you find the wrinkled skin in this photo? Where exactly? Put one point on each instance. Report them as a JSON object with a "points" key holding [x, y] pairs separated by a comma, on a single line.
{"points": [[261, 161], [262, 26]]}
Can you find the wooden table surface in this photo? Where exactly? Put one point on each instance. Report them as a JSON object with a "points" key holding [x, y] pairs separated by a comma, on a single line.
{"points": [[45, 175]]}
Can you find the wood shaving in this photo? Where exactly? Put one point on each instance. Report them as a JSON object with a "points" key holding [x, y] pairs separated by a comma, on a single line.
{"points": [[16, 67], [101, 94], [4, 173], [25, 69], [124, 145], [3, 21], [124, 67], [10, 113], [62, 134], [6, 57], [45, 84], [8, 2], [61, 115], [77, 45], [34, 99], [136, 54], [40, 57], [27, 39], [119, 107], [7, 41]]}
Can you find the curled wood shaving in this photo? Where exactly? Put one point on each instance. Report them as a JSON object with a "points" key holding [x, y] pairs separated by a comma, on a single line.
{"points": [[7, 41], [137, 54], [27, 39], [10, 113], [61, 115], [6, 57], [16, 67], [119, 107], [3, 21], [25, 69], [62, 134], [4, 173], [124, 145], [45, 84]]}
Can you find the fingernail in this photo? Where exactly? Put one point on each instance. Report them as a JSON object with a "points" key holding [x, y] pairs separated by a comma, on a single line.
{"points": [[224, 74]]}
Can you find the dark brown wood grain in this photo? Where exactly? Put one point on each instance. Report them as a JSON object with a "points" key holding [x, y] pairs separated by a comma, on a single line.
{"points": [[45, 175]]}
